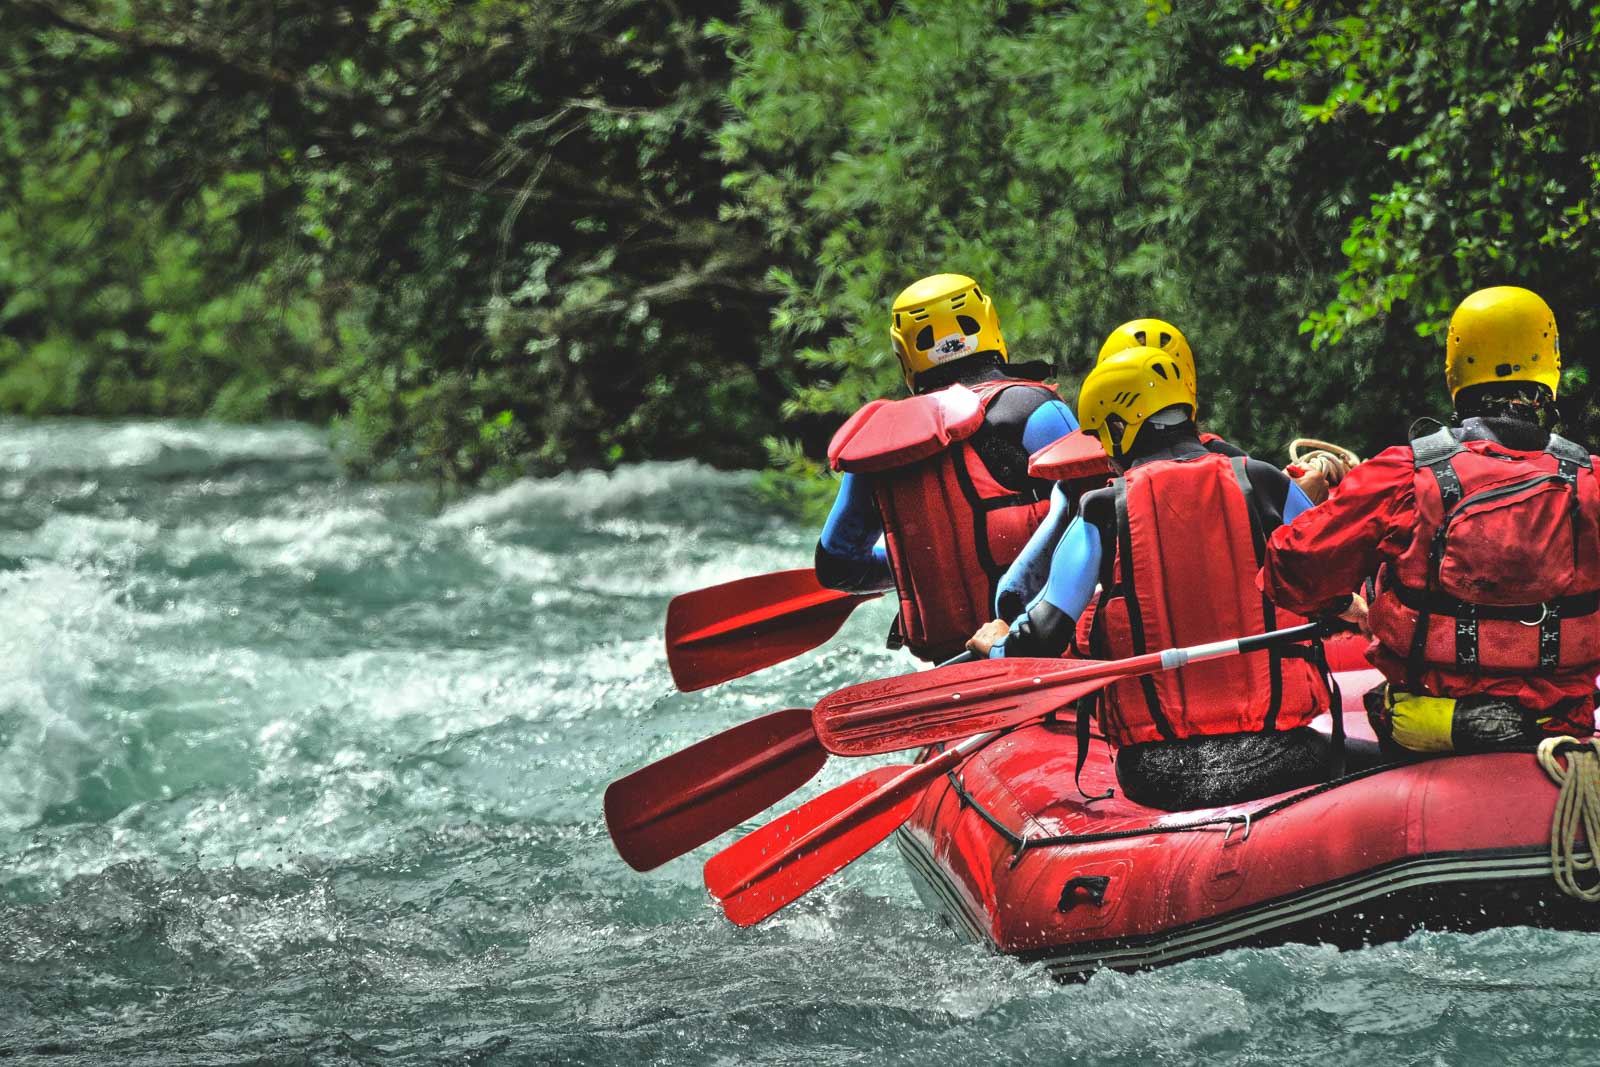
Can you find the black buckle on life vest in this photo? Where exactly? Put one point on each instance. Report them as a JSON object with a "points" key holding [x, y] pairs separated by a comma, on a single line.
{"points": [[1094, 888]]}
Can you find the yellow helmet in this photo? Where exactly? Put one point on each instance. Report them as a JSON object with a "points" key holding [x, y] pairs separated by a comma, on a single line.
{"points": [[1152, 333], [1129, 387], [1504, 334], [943, 318]]}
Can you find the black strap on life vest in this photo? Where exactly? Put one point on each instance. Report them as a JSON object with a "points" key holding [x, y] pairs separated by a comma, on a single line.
{"points": [[1570, 459], [1130, 597], [1433, 453], [1086, 710], [1269, 612]]}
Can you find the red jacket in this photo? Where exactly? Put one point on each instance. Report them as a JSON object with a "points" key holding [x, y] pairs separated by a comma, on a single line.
{"points": [[1366, 530]]}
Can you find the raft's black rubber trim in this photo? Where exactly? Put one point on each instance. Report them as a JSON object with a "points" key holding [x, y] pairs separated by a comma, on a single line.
{"points": [[1310, 913]]}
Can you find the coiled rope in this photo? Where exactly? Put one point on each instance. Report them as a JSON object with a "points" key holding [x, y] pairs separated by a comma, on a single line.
{"points": [[1332, 460], [1577, 808]]}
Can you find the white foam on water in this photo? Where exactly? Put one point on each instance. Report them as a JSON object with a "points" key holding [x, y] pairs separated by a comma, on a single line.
{"points": [[72, 538], [61, 623], [48, 445], [595, 492]]}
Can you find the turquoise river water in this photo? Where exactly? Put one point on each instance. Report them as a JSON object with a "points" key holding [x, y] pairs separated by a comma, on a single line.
{"points": [[296, 769]]}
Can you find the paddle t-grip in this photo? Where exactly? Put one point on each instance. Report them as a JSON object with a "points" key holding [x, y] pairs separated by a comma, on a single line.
{"points": [[1178, 657]]}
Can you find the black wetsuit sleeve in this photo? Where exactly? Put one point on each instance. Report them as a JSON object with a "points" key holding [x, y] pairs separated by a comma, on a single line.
{"points": [[1222, 448], [1271, 493]]}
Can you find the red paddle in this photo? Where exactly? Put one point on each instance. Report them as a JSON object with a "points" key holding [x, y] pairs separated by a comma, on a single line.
{"points": [[790, 856], [679, 803], [914, 710], [737, 628]]}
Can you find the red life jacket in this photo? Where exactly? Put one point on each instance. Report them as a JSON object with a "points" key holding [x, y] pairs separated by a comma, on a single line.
{"points": [[1189, 544], [1499, 590], [951, 529]]}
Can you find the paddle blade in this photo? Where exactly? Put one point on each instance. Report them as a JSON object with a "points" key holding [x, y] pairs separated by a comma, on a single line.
{"points": [[750, 887], [740, 627], [914, 710], [679, 803]]}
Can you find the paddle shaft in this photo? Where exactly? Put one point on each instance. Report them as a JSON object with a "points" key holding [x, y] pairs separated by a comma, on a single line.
{"points": [[909, 781], [915, 710]]}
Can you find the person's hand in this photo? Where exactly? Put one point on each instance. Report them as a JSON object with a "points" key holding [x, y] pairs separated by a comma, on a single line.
{"points": [[987, 636], [1356, 613], [1317, 474]]}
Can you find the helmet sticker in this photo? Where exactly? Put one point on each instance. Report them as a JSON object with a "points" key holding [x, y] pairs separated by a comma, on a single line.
{"points": [[953, 346]]}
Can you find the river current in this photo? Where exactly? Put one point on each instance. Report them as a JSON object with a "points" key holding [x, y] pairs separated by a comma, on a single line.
{"points": [[298, 769]]}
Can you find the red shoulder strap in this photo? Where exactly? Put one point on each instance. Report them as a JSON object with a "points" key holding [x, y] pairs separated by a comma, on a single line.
{"points": [[1077, 455], [894, 433]]}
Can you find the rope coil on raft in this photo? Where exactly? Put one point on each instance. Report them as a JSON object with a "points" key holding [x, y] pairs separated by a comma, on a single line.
{"points": [[1577, 808], [1332, 460]]}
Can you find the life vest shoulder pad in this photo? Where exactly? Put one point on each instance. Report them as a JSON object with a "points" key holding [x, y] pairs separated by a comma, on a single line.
{"points": [[1076, 455], [895, 433]]}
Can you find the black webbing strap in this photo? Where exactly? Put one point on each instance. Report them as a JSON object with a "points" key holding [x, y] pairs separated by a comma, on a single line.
{"points": [[1570, 459], [1130, 597], [1087, 706], [1550, 639], [1336, 752], [1269, 612], [1567, 607], [1467, 640], [1433, 453]]}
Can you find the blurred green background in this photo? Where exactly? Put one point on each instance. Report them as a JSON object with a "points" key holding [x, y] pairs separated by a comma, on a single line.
{"points": [[492, 238]]}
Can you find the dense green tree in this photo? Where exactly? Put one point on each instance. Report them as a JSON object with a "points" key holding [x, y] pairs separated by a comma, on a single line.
{"points": [[1090, 164], [504, 213], [505, 235], [1481, 123]]}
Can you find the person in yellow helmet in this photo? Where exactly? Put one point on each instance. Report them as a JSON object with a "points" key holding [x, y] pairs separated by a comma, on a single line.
{"points": [[1079, 468], [935, 498], [1174, 546], [1480, 544]]}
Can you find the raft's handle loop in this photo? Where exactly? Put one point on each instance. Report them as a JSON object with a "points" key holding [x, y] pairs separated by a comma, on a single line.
{"points": [[1094, 888], [1236, 820]]}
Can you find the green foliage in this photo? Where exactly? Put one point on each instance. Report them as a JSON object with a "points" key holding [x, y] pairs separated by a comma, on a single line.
{"points": [[517, 235], [485, 235], [1091, 165], [1484, 167]]}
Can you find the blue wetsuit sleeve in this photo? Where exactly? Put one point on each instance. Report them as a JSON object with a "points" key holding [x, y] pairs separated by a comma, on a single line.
{"points": [[850, 553], [1295, 503], [1026, 575], [1045, 629], [1048, 424]]}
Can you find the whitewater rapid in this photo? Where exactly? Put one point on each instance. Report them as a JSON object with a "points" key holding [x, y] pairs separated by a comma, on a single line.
{"points": [[296, 768]]}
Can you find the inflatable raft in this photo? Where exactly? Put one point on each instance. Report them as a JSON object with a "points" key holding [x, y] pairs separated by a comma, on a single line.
{"points": [[1009, 852]]}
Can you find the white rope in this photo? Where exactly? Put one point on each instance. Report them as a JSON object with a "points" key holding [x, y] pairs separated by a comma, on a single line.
{"points": [[1333, 461], [1577, 808]]}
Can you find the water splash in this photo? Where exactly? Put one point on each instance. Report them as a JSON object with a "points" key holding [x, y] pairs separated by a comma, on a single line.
{"points": [[295, 769]]}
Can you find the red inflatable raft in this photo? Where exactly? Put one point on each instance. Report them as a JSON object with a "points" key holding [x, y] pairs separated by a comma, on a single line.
{"points": [[1010, 853]]}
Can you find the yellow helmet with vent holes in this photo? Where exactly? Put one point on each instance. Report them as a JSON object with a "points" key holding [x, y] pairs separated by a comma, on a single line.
{"points": [[940, 319], [1124, 390], [1152, 333], [1503, 334]]}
